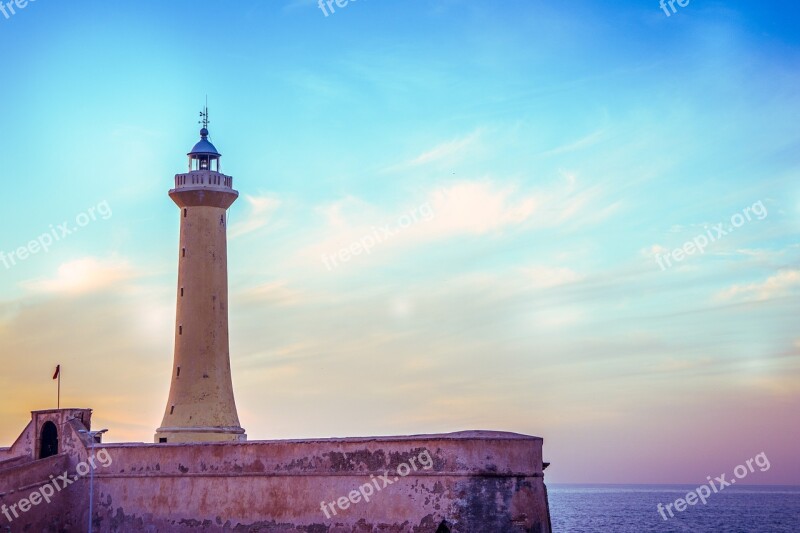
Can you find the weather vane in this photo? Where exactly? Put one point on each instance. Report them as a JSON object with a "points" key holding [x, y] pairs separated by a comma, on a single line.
{"points": [[204, 115]]}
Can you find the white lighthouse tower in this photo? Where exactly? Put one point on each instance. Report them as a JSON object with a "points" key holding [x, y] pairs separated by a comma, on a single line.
{"points": [[201, 406]]}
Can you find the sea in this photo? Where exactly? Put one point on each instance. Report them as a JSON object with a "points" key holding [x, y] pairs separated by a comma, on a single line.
{"points": [[633, 509]]}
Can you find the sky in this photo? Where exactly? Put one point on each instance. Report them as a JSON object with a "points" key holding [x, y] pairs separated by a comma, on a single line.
{"points": [[576, 220]]}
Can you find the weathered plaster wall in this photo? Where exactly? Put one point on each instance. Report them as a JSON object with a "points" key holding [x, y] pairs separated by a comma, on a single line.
{"points": [[18, 479], [23, 446], [23, 474], [67, 421], [478, 482], [17, 484], [473, 482]]}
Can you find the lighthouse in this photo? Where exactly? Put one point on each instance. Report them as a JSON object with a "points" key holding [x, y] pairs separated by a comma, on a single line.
{"points": [[201, 405]]}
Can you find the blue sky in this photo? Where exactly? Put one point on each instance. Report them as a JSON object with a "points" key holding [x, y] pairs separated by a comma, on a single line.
{"points": [[559, 148]]}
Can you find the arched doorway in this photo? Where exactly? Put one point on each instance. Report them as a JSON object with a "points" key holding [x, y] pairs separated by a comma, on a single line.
{"points": [[49, 441]]}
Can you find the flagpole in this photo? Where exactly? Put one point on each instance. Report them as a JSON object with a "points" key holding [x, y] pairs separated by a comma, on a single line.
{"points": [[59, 386]]}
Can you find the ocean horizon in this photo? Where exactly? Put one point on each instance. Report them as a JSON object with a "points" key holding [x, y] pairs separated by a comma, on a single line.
{"points": [[585, 508]]}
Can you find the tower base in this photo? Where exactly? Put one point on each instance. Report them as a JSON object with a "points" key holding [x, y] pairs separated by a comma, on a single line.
{"points": [[200, 434]]}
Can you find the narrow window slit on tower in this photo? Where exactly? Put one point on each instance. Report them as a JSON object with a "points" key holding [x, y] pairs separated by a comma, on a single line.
{"points": [[172, 409], [185, 212], [178, 374], [183, 252], [180, 330], [181, 292]]}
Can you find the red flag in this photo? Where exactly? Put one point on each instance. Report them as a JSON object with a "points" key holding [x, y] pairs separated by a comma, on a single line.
{"points": [[58, 372]]}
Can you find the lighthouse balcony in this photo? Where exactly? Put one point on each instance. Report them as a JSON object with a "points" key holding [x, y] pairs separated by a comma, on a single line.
{"points": [[203, 188], [203, 179]]}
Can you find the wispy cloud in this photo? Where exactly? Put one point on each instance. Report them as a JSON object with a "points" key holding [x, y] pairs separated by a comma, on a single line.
{"points": [[465, 208], [542, 277], [272, 293], [260, 211], [782, 284], [477, 208], [447, 150], [85, 275], [450, 152], [585, 142]]}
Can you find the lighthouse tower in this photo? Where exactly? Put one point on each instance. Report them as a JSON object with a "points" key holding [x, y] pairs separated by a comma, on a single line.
{"points": [[201, 407]]}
